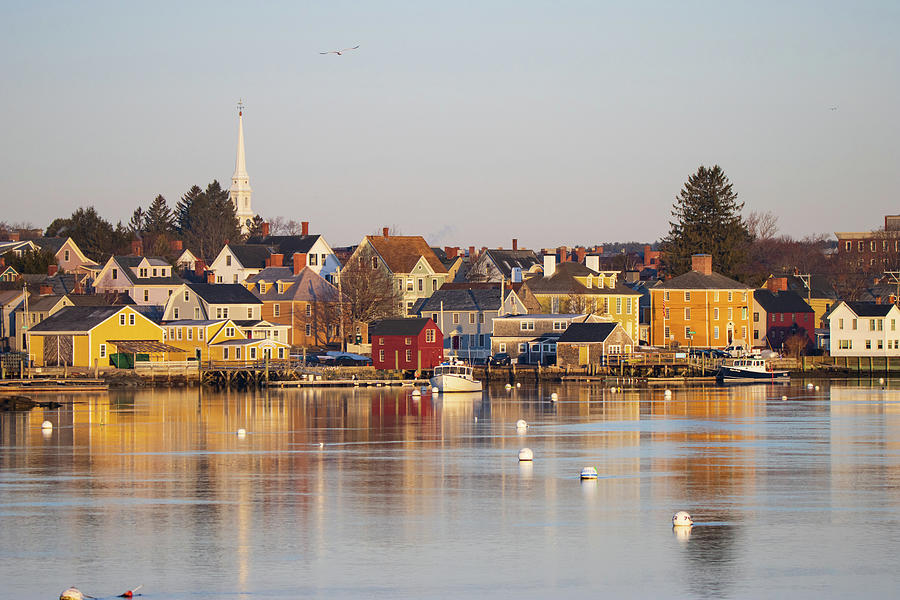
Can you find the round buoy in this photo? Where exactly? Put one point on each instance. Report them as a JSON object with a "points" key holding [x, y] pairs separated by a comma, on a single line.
{"points": [[435, 390], [508, 386], [817, 388], [554, 396], [518, 385], [589, 473], [416, 392], [321, 444], [682, 519], [613, 389], [526, 454], [521, 425], [784, 397], [46, 425], [809, 386], [881, 380], [71, 594], [241, 433], [667, 393]]}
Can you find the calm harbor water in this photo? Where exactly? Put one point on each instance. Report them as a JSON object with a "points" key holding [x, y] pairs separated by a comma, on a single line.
{"points": [[424, 498]]}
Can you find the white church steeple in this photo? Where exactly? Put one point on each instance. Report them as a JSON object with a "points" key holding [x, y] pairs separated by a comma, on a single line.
{"points": [[240, 192]]}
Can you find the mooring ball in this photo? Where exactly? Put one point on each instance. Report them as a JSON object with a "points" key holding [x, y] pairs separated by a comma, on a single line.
{"points": [[241, 433], [46, 425], [554, 396], [521, 424], [784, 397], [71, 594], [613, 389], [435, 389], [508, 386], [817, 388], [682, 519], [526, 454], [518, 385]]}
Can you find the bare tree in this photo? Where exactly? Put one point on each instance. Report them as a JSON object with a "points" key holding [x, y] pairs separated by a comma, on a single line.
{"points": [[369, 290], [762, 225]]}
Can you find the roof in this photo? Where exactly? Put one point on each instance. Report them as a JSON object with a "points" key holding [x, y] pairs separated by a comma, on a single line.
{"points": [[505, 260], [563, 281], [781, 302], [544, 316], [53, 244], [42, 303], [401, 252], [456, 299], [194, 322], [131, 261], [285, 244], [108, 299], [398, 326], [62, 283], [139, 346], [587, 332], [76, 318], [869, 309], [7, 296], [694, 280], [223, 293], [250, 256], [306, 286]]}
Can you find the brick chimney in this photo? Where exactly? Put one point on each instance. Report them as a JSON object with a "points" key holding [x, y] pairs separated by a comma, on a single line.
{"points": [[52, 269], [276, 260], [304, 228], [13, 236], [472, 252], [563, 254], [515, 243], [549, 265], [580, 253], [702, 263], [210, 277], [777, 284], [176, 246], [299, 262], [137, 247], [384, 231], [199, 267], [45, 289], [451, 252]]}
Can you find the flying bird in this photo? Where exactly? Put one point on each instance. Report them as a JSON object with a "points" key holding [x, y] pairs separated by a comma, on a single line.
{"points": [[833, 108], [341, 51]]}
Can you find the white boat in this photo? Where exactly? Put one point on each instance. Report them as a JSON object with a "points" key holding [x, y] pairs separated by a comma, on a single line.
{"points": [[455, 377], [750, 370]]}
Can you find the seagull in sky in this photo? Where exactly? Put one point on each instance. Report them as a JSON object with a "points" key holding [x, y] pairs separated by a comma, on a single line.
{"points": [[341, 51], [833, 108]]}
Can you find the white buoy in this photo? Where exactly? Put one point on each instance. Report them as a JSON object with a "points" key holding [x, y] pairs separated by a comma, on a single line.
{"points": [[521, 424], [589, 473], [784, 397], [435, 390], [518, 385], [476, 419], [554, 396], [881, 380], [321, 444], [71, 594], [242, 433], [416, 392], [508, 386], [613, 389], [46, 425], [526, 454], [817, 388], [809, 386], [667, 393], [682, 519]]}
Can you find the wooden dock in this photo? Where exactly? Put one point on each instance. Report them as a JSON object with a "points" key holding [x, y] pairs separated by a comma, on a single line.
{"points": [[53, 385], [316, 383]]}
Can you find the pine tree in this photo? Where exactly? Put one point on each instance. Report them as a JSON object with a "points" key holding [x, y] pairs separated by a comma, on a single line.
{"points": [[183, 208], [159, 218], [707, 220], [138, 221], [255, 228], [209, 220]]}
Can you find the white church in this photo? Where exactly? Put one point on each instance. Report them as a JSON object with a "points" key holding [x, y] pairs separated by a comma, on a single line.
{"points": [[240, 192]]}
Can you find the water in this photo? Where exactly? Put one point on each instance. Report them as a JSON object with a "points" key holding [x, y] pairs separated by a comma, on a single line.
{"points": [[415, 498]]}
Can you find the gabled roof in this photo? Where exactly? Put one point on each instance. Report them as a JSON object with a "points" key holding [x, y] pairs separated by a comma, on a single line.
{"points": [[250, 256], [458, 300], [398, 326], [53, 244], [781, 302], [869, 309], [587, 332], [42, 303], [285, 244], [695, 280], [7, 296], [306, 286], [108, 299], [76, 319], [62, 283], [129, 262], [223, 293], [563, 281], [401, 252], [505, 260]]}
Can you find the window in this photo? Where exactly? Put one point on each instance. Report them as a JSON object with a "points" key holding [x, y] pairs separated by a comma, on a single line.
{"points": [[131, 319], [687, 313], [66, 256], [252, 353], [743, 313], [225, 352], [872, 246], [666, 334], [308, 329], [275, 333], [501, 347], [743, 332], [225, 312], [880, 324], [380, 341], [409, 306], [190, 333], [434, 285], [178, 332], [174, 312], [218, 312], [666, 296], [481, 317], [665, 313], [218, 279], [893, 324], [102, 350], [154, 272], [408, 355], [434, 317], [429, 335], [187, 296], [171, 333], [716, 332], [868, 344], [730, 296], [281, 353], [526, 326], [456, 318], [200, 333], [619, 306], [229, 332], [250, 313], [853, 324], [277, 310], [536, 348], [880, 345], [314, 259], [523, 348], [280, 287], [730, 313], [234, 278], [559, 325], [142, 272], [756, 317], [756, 334], [845, 344], [381, 355], [421, 283], [715, 314], [628, 308], [408, 341], [115, 273], [687, 296], [375, 266], [471, 318], [121, 319], [687, 332], [409, 285], [840, 323], [848, 246], [228, 260], [716, 296]]}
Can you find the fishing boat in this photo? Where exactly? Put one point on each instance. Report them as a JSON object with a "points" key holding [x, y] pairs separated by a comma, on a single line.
{"points": [[455, 377], [751, 369]]}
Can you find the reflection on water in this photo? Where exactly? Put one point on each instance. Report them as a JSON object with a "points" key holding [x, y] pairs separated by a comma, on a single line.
{"points": [[378, 493]]}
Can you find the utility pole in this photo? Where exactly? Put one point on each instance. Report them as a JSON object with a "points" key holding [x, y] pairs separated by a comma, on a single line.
{"points": [[805, 278], [895, 276]]}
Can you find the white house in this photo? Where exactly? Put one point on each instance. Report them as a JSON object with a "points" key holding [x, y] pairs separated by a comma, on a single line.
{"points": [[236, 262], [148, 280], [864, 329], [207, 301]]}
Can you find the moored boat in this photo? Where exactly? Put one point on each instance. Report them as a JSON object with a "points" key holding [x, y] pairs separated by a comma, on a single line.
{"points": [[455, 377], [751, 370]]}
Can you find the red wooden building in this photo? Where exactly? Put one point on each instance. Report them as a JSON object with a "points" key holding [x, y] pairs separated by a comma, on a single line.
{"points": [[406, 344]]}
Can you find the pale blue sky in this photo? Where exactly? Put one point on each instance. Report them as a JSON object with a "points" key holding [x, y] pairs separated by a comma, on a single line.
{"points": [[467, 122]]}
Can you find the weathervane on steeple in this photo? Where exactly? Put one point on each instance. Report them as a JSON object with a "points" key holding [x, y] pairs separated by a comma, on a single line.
{"points": [[240, 107]]}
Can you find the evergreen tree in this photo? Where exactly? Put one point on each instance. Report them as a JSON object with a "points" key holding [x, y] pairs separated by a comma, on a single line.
{"points": [[210, 220], [256, 227], [159, 218], [31, 261], [96, 236], [183, 208], [707, 220], [137, 222]]}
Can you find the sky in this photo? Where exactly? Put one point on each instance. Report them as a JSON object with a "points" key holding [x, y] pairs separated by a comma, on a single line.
{"points": [[471, 123]]}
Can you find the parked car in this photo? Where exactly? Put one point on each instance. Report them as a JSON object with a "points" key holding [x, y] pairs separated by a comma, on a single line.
{"points": [[736, 350], [501, 359], [349, 361]]}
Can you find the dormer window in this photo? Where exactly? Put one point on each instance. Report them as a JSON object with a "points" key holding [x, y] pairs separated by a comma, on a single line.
{"points": [[590, 282], [154, 272], [142, 273], [280, 288]]}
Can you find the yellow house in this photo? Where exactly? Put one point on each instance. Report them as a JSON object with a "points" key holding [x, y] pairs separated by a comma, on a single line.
{"points": [[86, 336], [249, 350], [195, 337]]}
